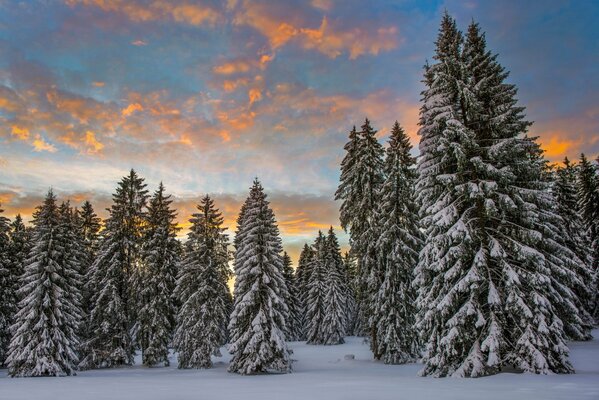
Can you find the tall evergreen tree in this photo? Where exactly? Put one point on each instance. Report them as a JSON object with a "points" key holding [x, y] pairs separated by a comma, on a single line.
{"points": [[294, 318], [45, 330], [202, 289], [587, 183], [111, 275], [20, 245], [486, 289], [574, 235], [302, 277], [398, 244], [351, 273], [335, 300], [257, 327], [360, 182], [7, 294], [316, 291], [89, 225], [160, 254]]}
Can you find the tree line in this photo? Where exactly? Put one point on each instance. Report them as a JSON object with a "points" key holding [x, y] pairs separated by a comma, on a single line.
{"points": [[476, 257]]}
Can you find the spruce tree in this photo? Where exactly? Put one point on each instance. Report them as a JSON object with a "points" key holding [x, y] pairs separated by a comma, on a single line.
{"points": [[294, 318], [202, 289], [159, 255], [45, 341], [587, 183], [400, 240], [20, 245], [487, 286], [302, 277], [111, 278], [336, 291], [351, 276], [7, 294], [257, 327], [574, 236], [316, 291], [360, 182]]}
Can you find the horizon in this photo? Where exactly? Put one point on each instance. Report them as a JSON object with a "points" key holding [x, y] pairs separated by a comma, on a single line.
{"points": [[206, 96]]}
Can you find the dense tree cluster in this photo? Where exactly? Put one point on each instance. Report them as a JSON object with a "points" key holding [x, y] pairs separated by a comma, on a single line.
{"points": [[478, 256]]}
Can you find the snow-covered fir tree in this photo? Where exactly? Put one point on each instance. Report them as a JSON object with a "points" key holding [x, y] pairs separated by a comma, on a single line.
{"points": [[110, 276], [575, 237], [336, 292], [7, 294], [159, 255], [202, 289], [316, 291], [485, 275], [45, 341], [350, 268], [20, 245], [89, 225], [257, 326], [394, 310], [294, 318], [587, 182], [302, 277], [360, 182]]}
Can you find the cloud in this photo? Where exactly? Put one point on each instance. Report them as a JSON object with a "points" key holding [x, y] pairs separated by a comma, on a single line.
{"points": [[330, 40], [40, 144], [131, 108], [93, 145], [157, 10], [139, 42], [254, 95], [98, 84], [20, 132]]}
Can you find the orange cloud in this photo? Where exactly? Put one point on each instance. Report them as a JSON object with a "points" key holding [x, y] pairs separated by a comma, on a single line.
{"points": [[93, 145], [326, 39], [231, 85], [254, 95], [138, 11], [98, 84], [232, 67], [20, 132], [130, 109], [39, 144]]}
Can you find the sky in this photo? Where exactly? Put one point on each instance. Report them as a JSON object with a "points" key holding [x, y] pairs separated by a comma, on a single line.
{"points": [[207, 95]]}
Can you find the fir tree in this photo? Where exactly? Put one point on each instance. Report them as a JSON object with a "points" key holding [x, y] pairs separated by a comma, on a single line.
{"points": [[202, 289], [575, 239], [20, 245], [398, 244], [257, 327], [587, 183], [360, 182], [45, 329], [160, 255], [316, 291], [111, 275], [336, 291], [7, 294], [486, 275], [351, 276], [302, 277], [294, 321]]}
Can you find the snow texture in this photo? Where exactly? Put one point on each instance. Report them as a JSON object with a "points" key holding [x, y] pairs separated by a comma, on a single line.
{"points": [[320, 372]]}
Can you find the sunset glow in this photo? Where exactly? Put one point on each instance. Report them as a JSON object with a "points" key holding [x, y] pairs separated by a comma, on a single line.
{"points": [[207, 95]]}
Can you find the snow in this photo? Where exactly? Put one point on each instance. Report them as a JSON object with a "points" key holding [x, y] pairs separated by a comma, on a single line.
{"points": [[320, 372]]}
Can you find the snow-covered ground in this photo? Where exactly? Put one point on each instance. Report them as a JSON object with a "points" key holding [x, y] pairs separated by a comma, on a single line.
{"points": [[319, 373]]}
